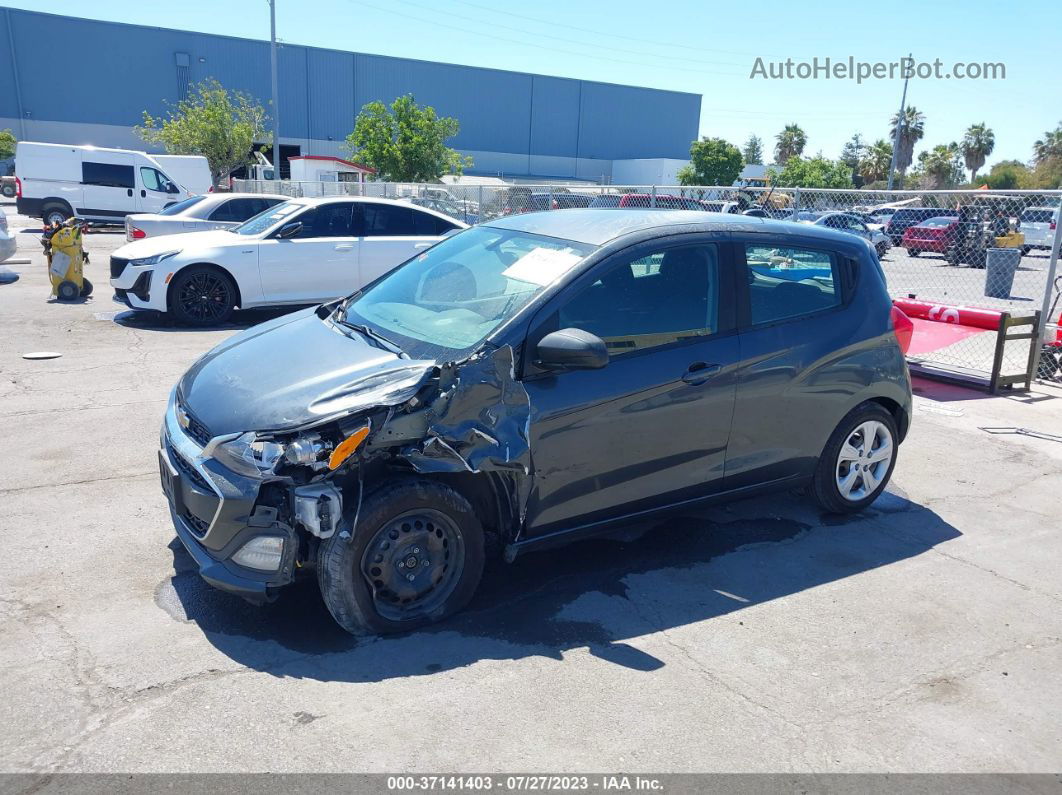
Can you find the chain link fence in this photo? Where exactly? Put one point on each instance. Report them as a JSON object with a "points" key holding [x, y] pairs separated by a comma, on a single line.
{"points": [[982, 249]]}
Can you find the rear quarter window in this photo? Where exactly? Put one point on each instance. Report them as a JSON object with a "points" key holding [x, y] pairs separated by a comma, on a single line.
{"points": [[788, 282]]}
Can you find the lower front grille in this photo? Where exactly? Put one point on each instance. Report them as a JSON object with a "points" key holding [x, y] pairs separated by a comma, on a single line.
{"points": [[199, 527], [118, 266]]}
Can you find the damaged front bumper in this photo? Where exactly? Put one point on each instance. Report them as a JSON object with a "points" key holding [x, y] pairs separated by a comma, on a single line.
{"points": [[216, 514]]}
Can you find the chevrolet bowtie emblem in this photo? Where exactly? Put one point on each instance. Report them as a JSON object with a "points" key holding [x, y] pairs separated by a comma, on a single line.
{"points": [[182, 418]]}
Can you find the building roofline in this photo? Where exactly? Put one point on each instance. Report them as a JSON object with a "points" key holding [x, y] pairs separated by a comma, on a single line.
{"points": [[346, 52], [334, 159]]}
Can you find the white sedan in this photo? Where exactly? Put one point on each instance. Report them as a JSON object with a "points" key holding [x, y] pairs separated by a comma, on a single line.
{"points": [[200, 213], [303, 251]]}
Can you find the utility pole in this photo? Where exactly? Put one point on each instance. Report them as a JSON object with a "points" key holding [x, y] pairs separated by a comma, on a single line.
{"points": [[276, 100], [900, 120]]}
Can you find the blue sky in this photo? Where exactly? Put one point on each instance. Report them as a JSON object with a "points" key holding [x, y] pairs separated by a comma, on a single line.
{"points": [[701, 47]]}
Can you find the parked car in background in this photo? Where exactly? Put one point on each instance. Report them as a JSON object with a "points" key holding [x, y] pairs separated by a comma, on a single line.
{"points": [[517, 200], [447, 207], [906, 217], [1038, 225], [853, 224], [300, 252], [933, 234], [644, 361], [200, 213], [7, 239], [58, 181], [720, 207]]}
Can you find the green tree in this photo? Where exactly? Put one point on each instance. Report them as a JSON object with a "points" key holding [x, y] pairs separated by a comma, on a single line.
{"points": [[853, 151], [219, 124], [942, 166], [813, 172], [406, 142], [977, 144], [7, 144], [874, 165], [713, 161], [1009, 175], [753, 150], [912, 128], [1050, 146], [790, 143]]}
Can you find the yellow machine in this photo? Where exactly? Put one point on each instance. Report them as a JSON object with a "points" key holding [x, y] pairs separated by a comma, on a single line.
{"points": [[1010, 240], [66, 261]]}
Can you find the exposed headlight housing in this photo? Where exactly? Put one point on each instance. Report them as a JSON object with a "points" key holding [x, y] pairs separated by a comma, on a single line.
{"points": [[249, 455], [154, 259]]}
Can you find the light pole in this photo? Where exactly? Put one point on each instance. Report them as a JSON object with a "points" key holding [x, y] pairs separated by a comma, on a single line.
{"points": [[276, 103], [900, 120]]}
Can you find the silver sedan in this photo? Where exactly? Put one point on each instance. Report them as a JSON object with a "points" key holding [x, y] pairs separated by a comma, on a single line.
{"points": [[200, 213]]}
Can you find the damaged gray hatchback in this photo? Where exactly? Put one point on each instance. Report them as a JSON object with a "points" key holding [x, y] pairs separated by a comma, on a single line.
{"points": [[538, 378]]}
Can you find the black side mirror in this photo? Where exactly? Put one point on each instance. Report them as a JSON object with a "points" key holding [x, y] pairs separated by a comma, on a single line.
{"points": [[571, 349], [289, 231], [172, 188]]}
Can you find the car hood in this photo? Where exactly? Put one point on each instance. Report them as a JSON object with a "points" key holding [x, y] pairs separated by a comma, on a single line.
{"points": [[150, 246], [294, 371]]}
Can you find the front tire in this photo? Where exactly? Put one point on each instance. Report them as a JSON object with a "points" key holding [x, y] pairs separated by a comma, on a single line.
{"points": [[416, 557], [202, 296], [858, 460], [913, 252]]}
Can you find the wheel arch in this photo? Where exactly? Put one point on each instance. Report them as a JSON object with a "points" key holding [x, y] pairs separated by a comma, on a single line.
{"points": [[213, 266], [50, 200]]}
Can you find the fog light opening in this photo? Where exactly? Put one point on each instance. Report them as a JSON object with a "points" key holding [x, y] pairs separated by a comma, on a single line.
{"points": [[263, 553]]}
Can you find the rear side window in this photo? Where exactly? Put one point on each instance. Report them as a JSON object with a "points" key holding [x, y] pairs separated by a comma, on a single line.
{"points": [[240, 210], [428, 224], [786, 283], [180, 207], [387, 220], [108, 175]]}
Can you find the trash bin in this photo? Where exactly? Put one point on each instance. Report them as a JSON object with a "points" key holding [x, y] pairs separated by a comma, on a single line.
{"points": [[1000, 266]]}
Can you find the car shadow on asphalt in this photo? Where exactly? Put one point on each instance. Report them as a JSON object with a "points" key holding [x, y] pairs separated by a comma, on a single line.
{"points": [[594, 594], [147, 320]]}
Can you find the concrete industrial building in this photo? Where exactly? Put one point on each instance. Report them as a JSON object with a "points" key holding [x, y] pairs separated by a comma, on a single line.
{"points": [[79, 81]]}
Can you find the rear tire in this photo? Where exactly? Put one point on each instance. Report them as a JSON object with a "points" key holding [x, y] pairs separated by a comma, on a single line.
{"points": [[413, 521], [202, 296], [55, 212], [8, 191], [913, 252], [852, 470], [86, 288]]}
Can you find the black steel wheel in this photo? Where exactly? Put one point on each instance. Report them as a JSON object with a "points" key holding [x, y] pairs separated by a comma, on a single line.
{"points": [[67, 291], [416, 556], [202, 296]]}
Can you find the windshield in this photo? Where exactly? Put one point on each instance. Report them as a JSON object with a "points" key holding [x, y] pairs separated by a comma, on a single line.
{"points": [[180, 207], [452, 296], [266, 219]]}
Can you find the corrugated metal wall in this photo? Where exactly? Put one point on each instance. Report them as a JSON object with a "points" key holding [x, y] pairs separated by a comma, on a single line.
{"points": [[122, 70]]}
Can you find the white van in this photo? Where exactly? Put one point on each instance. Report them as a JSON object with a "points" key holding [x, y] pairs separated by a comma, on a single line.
{"points": [[189, 171], [57, 181]]}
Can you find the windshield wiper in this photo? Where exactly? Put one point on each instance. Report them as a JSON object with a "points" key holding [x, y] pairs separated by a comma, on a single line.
{"points": [[373, 335]]}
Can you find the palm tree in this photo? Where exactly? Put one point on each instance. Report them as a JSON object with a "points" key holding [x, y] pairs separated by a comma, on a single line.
{"points": [[977, 144], [942, 165], [791, 142], [1050, 146], [912, 128], [876, 160]]}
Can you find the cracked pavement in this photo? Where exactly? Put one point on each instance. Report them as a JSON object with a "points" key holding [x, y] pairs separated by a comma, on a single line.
{"points": [[760, 636]]}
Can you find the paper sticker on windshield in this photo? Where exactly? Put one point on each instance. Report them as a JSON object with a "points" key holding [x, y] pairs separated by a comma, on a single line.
{"points": [[542, 266]]}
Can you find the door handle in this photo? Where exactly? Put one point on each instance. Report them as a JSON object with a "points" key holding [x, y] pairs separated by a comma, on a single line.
{"points": [[421, 245], [143, 193], [699, 372], [128, 191], [345, 247]]}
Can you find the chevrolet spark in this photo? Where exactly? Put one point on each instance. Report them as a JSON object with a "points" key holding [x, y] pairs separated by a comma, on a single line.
{"points": [[538, 378]]}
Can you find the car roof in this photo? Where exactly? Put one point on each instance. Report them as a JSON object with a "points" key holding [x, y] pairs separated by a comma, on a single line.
{"points": [[237, 195], [598, 226]]}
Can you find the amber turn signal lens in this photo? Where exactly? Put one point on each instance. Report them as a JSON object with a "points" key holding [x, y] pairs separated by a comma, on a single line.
{"points": [[347, 447]]}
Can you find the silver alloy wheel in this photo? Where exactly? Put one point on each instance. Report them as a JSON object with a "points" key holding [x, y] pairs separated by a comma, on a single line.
{"points": [[864, 460]]}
